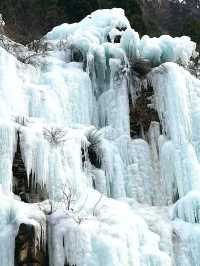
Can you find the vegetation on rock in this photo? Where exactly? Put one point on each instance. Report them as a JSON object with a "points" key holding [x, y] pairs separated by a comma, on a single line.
{"points": [[29, 20]]}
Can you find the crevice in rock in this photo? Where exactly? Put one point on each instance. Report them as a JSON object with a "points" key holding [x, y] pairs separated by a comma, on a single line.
{"points": [[141, 114], [92, 156], [176, 196], [31, 191], [141, 67], [27, 250], [20, 182], [67, 264], [121, 28], [93, 150], [117, 39], [77, 56]]}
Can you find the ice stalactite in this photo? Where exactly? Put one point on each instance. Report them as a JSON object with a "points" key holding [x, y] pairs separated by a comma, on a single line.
{"points": [[158, 50], [113, 103], [176, 100], [7, 145], [172, 97], [186, 243]]}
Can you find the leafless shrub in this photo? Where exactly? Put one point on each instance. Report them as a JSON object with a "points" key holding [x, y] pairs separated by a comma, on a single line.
{"points": [[68, 197], [27, 59], [4, 44], [2, 24], [62, 45], [76, 214], [96, 206], [194, 66], [21, 120], [54, 135], [36, 48]]}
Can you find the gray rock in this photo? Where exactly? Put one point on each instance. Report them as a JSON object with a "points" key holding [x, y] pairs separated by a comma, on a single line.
{"points": [[141, 66]]}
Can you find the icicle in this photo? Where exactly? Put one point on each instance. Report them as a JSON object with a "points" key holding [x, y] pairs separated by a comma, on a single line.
{"points": [[7, 138], [188, 208], [173, 105], [186, 238]]}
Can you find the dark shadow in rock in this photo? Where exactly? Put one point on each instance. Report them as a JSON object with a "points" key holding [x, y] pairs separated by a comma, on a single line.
{"points": [[117, 39], [31, 191], [141, 115], [27, 251], [141, 66]]}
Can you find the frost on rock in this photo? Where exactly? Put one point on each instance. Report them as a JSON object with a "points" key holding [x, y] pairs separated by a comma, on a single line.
{"points": [[66, 101]]}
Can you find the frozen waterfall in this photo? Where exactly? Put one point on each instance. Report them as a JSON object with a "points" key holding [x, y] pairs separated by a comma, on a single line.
{"points": [[70, 101]]}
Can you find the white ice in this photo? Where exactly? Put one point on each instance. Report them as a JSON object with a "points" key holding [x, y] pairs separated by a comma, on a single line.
{"points": [[81, 83]]}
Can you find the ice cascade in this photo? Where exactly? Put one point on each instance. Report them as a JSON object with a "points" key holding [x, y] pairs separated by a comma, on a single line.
{"points": [[108, 128]]}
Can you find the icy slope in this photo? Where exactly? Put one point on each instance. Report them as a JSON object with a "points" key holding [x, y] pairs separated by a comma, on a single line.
{"points": [[69, 101]]}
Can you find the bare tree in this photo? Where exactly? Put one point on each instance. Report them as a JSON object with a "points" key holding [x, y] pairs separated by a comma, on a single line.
{"points": [[22, 120], [68, 197], [54, 135], [96, 206], [36, 48]]}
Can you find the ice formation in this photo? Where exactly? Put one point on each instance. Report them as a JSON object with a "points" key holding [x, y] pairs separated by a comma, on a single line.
{"points": [[115, 199], [14, 212]]}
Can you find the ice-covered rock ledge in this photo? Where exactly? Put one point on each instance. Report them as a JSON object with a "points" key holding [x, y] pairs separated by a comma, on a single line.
{"points": [[13, 212]]}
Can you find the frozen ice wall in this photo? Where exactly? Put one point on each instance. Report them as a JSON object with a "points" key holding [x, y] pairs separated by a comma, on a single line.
{"points": [[71, 102]]}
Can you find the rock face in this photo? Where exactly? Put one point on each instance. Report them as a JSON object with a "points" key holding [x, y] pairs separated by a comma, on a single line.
{"points": [[27, 250], [141, 115], [142, 66]]}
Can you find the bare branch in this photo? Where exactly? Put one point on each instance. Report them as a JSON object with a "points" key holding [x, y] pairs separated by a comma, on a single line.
{"points": [[96, 205], [55, 136]]}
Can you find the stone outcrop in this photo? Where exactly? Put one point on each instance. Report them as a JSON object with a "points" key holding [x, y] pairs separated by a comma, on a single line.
{"points": [[142, 67], [141, 115], [28, 251]]}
